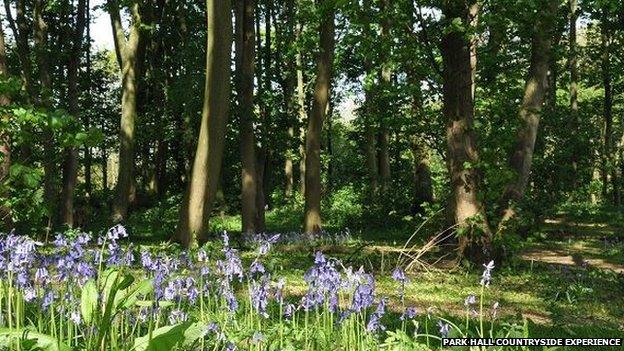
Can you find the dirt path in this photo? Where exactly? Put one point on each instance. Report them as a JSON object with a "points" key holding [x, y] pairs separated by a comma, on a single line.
{"points": [[579, 244]]}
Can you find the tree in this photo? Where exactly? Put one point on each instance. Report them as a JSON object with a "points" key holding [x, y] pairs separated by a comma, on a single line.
{"points": [[5, 141], [70, 165], [126, 50], [535, 89], [245, 60], [462, 154], [202, 187], [312, 219]]}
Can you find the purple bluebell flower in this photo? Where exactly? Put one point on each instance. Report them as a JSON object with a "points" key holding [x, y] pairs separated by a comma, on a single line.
{"points": [[48, 300], [259, 293], [374, 324], [409, 313], [256, 267], [363, 296], [399, 275]]}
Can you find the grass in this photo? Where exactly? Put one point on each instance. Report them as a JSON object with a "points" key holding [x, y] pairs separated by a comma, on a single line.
{"points": [[565, 280]]}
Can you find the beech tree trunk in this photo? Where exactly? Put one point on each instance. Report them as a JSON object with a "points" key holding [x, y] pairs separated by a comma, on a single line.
{"points": [[45, 101], [607, 107], [5, 140], [462, 156], [312, 219], [386, 83], [573, 67], [70, 164], [535, 90], [127, 50], [206, 169], [303, 115], [245, 57]]}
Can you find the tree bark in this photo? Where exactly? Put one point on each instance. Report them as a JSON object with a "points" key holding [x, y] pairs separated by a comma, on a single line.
{"points": [[607, 146], [386, 83], [197, 206], [127, 50], [573, 66], [245, 58], [70, 164], [312, 219], [462, 156], [5, 140], [303, 115], [535, 90], [45, 101]]}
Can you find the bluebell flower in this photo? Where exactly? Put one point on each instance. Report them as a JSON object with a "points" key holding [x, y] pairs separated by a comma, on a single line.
{"points": [[363, 296], [486, 277], [177, 316], [289, 311], [445, 328], [259, 293], [470, 300], [257, 338], [409, 313], [374, 324]]}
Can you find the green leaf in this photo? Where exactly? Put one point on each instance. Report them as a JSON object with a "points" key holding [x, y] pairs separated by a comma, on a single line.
{"points": [[166, 338], [88, 300], [37, 341], [128, 297]]}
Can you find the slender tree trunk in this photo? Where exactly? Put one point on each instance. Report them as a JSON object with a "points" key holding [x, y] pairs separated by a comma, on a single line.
{"points": [[88, 156], [535, 90], [5, 140], [330, 144], [386, 83], [199, 198], [312, 219], [45, 100], [607, 107], [573, 66], [423, 185], [70, 164], [289, 83], [263, 152], [127, 50], [462, 156], [245, 58], [21, 29], [303, 115]]}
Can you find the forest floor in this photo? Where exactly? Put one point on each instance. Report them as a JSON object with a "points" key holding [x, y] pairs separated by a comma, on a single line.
{"points": [[565, 280]]}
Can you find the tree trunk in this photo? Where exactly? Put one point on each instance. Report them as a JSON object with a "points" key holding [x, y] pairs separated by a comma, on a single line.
{"points": [[573, 66], [127, 50], [45, 101], [303, 115], [245, 58], [312, 220], [607, 146], [423, 185], [199, 198], [462, 156], [385, 82], [5, 140], [70, 164], [535, 90]]}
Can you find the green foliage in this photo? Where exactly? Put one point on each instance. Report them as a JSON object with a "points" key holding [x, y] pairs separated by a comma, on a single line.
{"points": [[29, 340]]}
